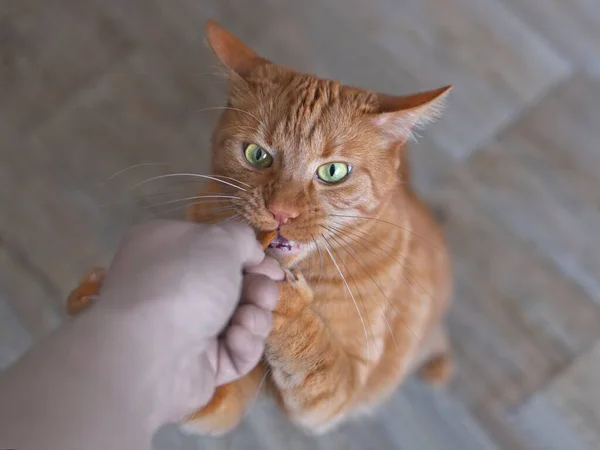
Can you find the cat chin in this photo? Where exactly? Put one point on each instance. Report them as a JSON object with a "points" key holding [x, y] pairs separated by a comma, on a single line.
{"points": [[287, 258]]}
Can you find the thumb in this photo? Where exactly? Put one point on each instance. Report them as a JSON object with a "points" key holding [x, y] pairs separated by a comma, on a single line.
{"points": [[244, 240]]}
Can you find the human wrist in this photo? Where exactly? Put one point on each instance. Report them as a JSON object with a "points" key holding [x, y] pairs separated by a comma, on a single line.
{"points": [[150, 350]]}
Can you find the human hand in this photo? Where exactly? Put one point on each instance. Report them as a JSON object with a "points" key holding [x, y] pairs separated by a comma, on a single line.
{"points": [[173, 287]]}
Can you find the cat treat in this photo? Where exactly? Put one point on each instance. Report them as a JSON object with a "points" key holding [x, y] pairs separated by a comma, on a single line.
{"points": [[266, 237]]}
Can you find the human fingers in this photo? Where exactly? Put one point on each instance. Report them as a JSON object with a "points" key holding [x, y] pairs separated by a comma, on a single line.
{"points": [[243, 239], [254, 319], [260, 290], [269, 267], [238, 353]]}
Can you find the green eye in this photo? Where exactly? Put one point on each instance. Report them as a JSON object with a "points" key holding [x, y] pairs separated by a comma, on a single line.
{"points": [[257, 156], [333, 172]]}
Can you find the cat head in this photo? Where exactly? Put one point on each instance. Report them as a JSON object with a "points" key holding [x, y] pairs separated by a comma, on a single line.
{"points": [[308, 151]]}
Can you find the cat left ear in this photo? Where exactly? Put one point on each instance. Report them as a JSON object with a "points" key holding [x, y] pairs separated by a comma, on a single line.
{"points": [[231, 51], [398, 116]]}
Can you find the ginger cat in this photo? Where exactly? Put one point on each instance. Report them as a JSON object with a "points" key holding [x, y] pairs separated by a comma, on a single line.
{"points": [[322, 167]]}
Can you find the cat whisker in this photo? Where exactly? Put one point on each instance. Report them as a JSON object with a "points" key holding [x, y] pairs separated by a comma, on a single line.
{"points": [[240, 218], [204, 213], [214, 108], [362, 321], [341, 234], [127, 169], [189, 204], [203, 200], [321, 261], [349, 273], [170, 175], [195, 197], [310, 264], [232, 179], [260, 385], [222, 222], [363, 237], [143, 198], [382, 292], [163, 191], [176, 193], [216, 74], [389, 223], [337, 237]]}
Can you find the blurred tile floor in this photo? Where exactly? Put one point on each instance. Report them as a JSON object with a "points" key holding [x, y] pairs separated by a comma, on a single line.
{"points": [[89, 87]]}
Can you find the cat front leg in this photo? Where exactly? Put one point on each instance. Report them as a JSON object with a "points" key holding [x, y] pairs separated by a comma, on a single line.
{"points": [[316, 380]]}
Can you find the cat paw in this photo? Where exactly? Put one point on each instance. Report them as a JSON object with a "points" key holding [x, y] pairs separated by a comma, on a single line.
{"points": [[294, 294], [86, 292]]}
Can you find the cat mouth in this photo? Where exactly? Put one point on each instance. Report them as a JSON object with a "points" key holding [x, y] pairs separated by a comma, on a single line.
{"points": [[279, 244]]}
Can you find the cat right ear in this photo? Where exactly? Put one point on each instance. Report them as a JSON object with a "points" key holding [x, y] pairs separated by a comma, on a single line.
{"points": [[398, 116], [231, 51]]}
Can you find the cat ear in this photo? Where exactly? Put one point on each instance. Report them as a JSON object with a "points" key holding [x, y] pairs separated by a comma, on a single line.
{"points": [[398, 116], [232, 52]]}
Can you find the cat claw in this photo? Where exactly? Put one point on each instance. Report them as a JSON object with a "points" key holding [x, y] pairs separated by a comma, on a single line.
{"points": [[293, 276], [289, 276]]}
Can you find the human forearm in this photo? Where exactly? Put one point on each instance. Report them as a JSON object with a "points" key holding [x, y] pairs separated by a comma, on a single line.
{"points": [[53, 397]]}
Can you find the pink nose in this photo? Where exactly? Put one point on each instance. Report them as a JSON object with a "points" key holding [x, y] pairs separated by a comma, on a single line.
{"points": [[281, 214]]}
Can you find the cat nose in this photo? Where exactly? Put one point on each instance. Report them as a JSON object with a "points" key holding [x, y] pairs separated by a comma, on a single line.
{"points": [[282, 214]]}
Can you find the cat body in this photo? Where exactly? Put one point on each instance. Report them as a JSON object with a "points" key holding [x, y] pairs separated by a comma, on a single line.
{"points": [[371, 275]]}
